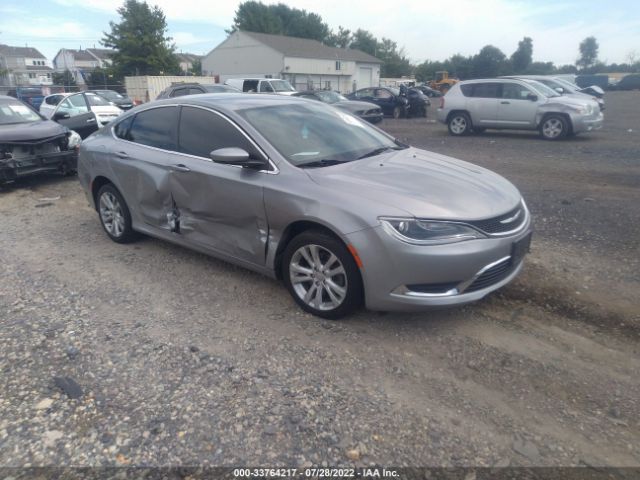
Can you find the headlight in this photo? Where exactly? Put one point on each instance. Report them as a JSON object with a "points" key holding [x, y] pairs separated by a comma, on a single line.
{"points": [[74, 140], [428, 232]]}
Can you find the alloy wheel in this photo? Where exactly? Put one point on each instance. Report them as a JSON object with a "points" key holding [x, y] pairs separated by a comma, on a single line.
{"points": [[552, 128], [458, 125], [111, 214], [318, 277]]}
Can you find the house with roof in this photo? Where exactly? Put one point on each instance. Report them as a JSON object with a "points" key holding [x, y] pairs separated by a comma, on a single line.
{"points": [[81, 62], [305, 63], [186, 60], [22, 66]]}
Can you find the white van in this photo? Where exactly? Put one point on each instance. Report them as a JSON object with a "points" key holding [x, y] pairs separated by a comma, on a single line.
{"points": [[262, 85]]}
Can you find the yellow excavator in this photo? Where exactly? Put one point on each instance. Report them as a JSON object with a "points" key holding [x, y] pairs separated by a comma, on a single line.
{"points": [[442, 82]]}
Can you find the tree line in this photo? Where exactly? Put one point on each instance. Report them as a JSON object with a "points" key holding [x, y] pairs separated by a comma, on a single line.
{"points": [[490, 61]]}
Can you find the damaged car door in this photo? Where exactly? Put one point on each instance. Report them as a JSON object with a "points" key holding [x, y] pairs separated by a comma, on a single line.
{"points": [[75, 114], [217, 206], [141, 158]]}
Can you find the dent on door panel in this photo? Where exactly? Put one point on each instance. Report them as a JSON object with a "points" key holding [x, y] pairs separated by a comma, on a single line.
{"points": [[146, 188], [221, 208]]}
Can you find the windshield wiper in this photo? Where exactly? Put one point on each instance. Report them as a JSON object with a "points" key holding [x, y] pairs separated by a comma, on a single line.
{"points": [[325, 162], [378, 151]]}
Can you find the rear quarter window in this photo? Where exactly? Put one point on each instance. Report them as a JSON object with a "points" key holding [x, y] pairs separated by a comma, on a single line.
{"points": [[156, 127]]}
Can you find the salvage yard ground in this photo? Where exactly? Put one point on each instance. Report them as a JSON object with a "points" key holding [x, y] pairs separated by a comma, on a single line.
{"points": [[178, 358]]}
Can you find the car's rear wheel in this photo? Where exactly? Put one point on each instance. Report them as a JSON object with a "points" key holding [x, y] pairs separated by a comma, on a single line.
{"points": [[554, 127], [459, 124], [397, 112], [114, 215], [321, 275]]}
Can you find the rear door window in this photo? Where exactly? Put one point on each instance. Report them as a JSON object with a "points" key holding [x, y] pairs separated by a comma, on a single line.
{"points": [[486, 90], [156, 127], [514, 91]]}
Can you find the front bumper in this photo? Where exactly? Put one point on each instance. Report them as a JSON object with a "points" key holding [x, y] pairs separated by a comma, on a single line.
{"points": [[583, 123], [394, 273], [372, 117], [12, 169]]}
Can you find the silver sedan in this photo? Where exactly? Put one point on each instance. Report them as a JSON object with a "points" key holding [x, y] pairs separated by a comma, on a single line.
{"points": [[298, 190]]}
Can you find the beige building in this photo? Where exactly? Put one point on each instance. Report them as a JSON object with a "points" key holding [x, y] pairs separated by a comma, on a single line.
{"points": [[307, 64]]}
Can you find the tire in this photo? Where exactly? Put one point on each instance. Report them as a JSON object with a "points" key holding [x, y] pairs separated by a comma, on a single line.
{"points": [[397, 112], [554, 127], [306, 262], [459, 124], [114, 215]]}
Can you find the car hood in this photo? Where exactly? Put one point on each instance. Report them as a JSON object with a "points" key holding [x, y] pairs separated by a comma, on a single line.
{"points": [[423, 184], [572, 101], [30, 132], [355, 106]]}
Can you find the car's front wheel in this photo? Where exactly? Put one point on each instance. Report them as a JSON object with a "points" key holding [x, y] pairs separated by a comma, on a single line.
{"points": [[554, 127], [321, 275], [397, 112], [459, 124], [114, 215]]}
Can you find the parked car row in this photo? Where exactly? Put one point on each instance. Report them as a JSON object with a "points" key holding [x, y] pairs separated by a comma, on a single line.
{"points": [[520, 104]]}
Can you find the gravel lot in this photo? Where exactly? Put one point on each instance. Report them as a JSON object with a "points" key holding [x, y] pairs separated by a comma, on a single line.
{"points": [[150, 354]]}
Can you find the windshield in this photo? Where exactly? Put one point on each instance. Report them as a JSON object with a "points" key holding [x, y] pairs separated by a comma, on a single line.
{"points": [[330, 97], [97, 101], [282, 86], [310, 133], [394, 90], [13, 111], [566, 85], [542, 89], [219, 88]]}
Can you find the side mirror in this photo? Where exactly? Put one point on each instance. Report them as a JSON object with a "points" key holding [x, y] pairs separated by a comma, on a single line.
{"points": [[560, 90], [532, 97], [236, 156], [60, 116]]}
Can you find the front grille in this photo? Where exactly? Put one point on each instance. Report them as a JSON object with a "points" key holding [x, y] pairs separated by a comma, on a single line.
{"points": [[495, 225], [492, 276]]}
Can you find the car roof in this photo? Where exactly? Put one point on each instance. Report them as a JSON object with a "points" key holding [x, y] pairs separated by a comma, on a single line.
{"points": [[491, 80], [226, 101]]}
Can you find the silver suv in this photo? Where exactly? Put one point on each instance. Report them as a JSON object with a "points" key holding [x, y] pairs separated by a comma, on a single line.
{"points": [[475, 105]]}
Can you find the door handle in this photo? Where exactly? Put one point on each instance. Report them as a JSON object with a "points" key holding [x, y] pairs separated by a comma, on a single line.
{"points": [[505, 103], [91, 120], [181, 168], [122, 155]]}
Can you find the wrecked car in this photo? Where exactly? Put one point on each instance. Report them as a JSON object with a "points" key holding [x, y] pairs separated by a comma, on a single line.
{"points": [[30, 144], [296, 189]]}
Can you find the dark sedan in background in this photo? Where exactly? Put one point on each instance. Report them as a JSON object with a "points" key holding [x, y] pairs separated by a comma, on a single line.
{"points": [[119, 100], [387, 98], [365, 110], [30, 144], [182, 89]]}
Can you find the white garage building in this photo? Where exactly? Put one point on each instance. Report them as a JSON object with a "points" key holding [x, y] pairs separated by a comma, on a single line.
{"points": [[305, 63]]}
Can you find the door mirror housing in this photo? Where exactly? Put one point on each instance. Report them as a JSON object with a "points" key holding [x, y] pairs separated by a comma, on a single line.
{"points": [[236, 156], [532, 97], [60, 116], [560, 90]]}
